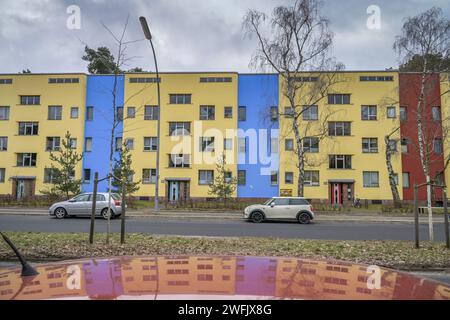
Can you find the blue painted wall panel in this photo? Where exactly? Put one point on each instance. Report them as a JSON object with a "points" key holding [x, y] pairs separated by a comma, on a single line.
{"points": [[258, 93], [99, 96]]}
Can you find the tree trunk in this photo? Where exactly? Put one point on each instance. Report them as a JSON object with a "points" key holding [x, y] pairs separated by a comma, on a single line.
{"points": [[300, 159], [424, 155], [392, 183]]}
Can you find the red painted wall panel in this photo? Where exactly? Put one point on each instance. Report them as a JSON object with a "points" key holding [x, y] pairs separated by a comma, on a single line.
{"points": [[410, 84]]}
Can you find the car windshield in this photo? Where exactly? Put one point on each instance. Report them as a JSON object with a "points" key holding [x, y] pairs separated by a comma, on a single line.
{"points": [[268, 202]]}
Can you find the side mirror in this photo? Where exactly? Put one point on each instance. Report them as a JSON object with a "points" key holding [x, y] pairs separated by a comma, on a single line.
{"points": [[272, 205]]}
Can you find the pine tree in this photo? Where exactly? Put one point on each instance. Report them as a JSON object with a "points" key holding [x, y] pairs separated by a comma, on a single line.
{"points": [[223, 185], [124, 172], [64, 164]]}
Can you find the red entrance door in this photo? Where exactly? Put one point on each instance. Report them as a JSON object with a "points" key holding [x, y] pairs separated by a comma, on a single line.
{"points": [[336, 194]]}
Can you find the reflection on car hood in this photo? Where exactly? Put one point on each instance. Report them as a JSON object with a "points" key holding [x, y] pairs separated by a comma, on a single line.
{"points": [[200, 277]]}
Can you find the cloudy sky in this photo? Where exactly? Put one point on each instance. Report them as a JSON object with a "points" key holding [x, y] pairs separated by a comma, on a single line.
{"points": [[189, 35]]}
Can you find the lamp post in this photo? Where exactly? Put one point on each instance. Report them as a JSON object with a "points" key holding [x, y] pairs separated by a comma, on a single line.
{"points": [[148, 36]]}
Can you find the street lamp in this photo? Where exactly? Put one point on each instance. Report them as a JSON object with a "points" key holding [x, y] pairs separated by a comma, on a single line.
{"points": [[148, 36]]}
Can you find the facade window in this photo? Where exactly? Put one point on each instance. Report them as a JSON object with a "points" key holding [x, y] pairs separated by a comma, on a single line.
{"points": [[49, 175], [376, 78], [228, 175], [63, 80], [73, 143], [274, 113], [228, 144], [119, 111], [87, 176], [150, 143], [215, 79], [242, 177], [6, 81], [289, 145], [4, 113], [436, 113], [149, 176], [26, 159], [391, 113], [3, 143], [242, 145], [206, 144], [2, 175], [339, 129], [369, 113], [288, 112], [405, 178], [439, 180], [179, 161], [53, 144], [151, 113], [404, 145], [437, 145], [131, 112], [274, 146], [54, 113], [310, 113], [392, 145], [403, 114], [396, 178], [228, 112], [28, 128], [207, 112], [242, 113], [340, 162], [119, 144], [311, 179], [180, 98], [339, 99], [30, 100], [274, 178], [179, 128], [89, 113], [311, 145], [205, 177], [370, 145], [371, 179], [74, 113], [288, 177], [129, 143], [145, 80], [88, 145]]}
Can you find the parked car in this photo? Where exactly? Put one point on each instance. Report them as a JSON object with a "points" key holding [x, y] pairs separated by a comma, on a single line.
{"points": [[81, 205], [279, 208]]}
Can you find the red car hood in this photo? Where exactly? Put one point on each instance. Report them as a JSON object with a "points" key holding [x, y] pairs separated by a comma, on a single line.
{"points": [[216, 277]]}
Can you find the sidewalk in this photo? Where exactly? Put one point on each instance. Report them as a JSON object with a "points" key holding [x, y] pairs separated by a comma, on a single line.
{"points": [[237, 215]]}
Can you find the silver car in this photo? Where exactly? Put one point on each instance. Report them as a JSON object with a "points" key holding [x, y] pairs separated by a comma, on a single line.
{"points": [[81, 205], [279, 208]]}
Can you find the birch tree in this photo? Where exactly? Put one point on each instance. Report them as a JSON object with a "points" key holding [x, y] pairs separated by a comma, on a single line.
{"points": [[424, 36], [295, 41]]}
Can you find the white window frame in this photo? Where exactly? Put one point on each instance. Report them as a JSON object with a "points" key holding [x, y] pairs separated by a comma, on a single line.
{"points": [[373, 179], [205, 177], [150, 179], [4, 113], [3, 144], [308, 179], [370, 149], [207, 144], [152, 146], [55, 113]]}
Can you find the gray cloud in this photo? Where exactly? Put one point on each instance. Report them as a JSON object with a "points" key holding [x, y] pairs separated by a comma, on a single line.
{"points": [[190, 35]]}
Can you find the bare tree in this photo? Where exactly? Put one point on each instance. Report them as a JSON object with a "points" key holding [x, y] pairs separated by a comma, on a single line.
{"points": [[423, 36], [298, 47], [121, 60]]}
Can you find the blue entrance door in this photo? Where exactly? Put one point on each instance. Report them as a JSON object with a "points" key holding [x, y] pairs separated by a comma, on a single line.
{"points": [[174, 191]]}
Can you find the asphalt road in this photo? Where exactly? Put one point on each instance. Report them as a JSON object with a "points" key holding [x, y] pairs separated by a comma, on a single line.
{"points": [[222, 228]]}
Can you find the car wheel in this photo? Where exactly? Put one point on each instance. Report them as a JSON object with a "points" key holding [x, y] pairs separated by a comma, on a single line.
{"points": [[60, 213], [257, 217], [304, 218], [105, 214]]}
